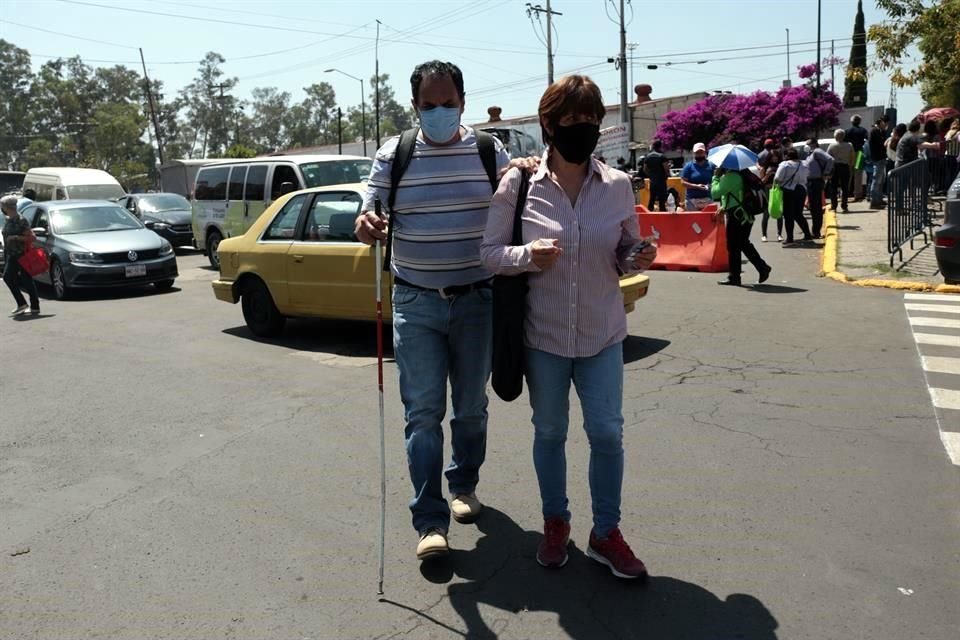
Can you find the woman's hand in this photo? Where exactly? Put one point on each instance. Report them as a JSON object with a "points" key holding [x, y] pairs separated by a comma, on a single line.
{"points": [[530, 164], [545, 252], [645, 258]]}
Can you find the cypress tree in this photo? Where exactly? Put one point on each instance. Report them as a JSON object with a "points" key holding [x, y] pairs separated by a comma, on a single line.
{"points": [[855, 87]]}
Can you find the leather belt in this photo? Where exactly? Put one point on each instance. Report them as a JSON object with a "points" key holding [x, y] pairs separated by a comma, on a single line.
{"points": [[448, 292]]}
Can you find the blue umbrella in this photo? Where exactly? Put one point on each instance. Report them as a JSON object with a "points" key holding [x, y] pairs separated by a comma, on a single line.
{"points": [[732, 156]]}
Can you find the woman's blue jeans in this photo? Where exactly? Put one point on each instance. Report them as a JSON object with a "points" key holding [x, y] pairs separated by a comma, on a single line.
{"points": [[599, 384], [436, 339]]}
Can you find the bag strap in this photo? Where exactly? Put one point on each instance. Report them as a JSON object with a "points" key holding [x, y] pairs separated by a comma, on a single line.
{"points": [[522, 190], [401, 160], [488, 156]]}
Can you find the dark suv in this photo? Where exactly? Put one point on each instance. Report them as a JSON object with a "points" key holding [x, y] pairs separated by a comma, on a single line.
{"points": [[947, 237], [167, 214]]}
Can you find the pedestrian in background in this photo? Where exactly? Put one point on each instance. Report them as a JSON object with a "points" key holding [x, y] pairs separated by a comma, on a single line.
{"points": [[580, 232], [16, 236], [29, 195], [819, 165], [728, 188], [878, 156], [857, 137], [934, 155], [910, 145], [657, 168], [768, 161], [792, 177], [843, 156], [696, 175]]}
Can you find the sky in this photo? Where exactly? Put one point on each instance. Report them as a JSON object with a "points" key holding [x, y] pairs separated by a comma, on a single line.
{"points": [[289, 44]]}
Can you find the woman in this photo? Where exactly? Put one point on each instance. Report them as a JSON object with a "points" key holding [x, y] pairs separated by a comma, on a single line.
{"points": [[580, 232], [768, 163], [728, 188], [843, 157], [696, 176], [792, 177], [16, 236]]}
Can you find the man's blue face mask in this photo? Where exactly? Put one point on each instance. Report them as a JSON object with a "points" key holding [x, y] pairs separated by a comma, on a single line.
{"points": [[440, 124]]}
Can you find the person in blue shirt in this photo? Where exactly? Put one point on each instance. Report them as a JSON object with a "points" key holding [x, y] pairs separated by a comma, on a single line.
{"points": [[696, 176]]}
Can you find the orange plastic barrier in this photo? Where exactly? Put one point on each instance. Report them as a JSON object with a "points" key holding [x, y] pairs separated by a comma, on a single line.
{"points": [[674, 183], [688, 240]]}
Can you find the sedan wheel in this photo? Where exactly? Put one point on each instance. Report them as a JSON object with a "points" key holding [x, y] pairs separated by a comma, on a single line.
{"points": [[259, 311], [59, 281]]}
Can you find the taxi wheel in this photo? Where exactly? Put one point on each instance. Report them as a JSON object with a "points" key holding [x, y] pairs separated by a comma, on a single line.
{"points": [[259, 311]]}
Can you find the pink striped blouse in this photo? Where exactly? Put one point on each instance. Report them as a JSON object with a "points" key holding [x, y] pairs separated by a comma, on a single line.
{"points": [[574, 308]]}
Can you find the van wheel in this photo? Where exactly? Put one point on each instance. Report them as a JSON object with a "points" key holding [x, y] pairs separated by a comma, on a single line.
{"points": [[259, 311], [213, 245], [59, 281]]}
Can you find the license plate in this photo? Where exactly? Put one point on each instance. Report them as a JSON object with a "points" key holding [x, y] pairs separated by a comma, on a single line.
{"points": [[136, 270]]}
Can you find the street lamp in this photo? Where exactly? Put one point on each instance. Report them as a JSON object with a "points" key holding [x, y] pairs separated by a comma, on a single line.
{"points": [[363, 114]]}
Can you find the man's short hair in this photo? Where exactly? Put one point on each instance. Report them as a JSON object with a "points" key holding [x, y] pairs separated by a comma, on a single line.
{"points": [[435, 68], [570, 95], [29, 193], [657, 145], [814, 143], [793, 154], [839, 134], [855, 119], [9, 202], [914, 126]]}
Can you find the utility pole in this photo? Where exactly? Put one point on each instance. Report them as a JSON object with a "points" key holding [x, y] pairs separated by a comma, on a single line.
{"points": [[223, 112], [624, 110], [787, 83], [339, 131], [819, 60], [833, 61], [376, 78], [153, 112], [537, 9]]}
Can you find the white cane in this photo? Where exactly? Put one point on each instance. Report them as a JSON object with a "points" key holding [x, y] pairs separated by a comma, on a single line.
{"points": [[383, 449]]}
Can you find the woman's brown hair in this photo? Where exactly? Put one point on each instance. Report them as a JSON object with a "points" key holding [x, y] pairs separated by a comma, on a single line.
{"points": [[570, 95]]}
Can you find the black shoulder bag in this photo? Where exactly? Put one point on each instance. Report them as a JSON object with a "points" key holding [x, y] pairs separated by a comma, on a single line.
{"points": [[509, 311]]}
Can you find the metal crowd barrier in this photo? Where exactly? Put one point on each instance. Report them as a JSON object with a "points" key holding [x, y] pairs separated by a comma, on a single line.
{"points": [[907, 212]]}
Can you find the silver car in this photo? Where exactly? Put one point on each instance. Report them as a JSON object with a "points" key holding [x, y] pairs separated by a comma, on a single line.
{"points": [[96, 244]]}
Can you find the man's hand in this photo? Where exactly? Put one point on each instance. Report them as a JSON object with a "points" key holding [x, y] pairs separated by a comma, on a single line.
{"points": [[645, 258], [545, 252], [369, 228], [530, 164]]}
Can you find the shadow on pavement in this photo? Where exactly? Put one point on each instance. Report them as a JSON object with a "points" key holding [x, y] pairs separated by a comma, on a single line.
{"points": [[775, 288], [96, 295], [638, 347], [26, 317], [346, 339], [502, 573]]}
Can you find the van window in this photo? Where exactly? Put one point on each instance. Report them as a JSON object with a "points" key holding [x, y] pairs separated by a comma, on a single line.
{"points": [[212, 183], [61, 194], [321, 174], [44, 191], [284, 225], [91, 192], [283, 173], [256, 179], [236, 182]]}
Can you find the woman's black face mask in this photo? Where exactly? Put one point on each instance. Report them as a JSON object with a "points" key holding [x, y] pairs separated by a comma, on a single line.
{"points": [[576, 142]]}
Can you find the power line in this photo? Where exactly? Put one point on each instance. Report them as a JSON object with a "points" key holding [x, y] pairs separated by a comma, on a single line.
{"points": [[68, 35]]}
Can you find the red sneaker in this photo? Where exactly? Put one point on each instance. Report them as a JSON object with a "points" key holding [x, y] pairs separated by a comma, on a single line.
{"points": [[614, 552], [552, 552]]}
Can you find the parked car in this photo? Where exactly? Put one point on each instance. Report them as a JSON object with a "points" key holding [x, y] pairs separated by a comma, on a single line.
{"points": [[96, 243], [71, 183], [230, 195], [11, 181], [168, 214], [301, 259], [947, 237]]}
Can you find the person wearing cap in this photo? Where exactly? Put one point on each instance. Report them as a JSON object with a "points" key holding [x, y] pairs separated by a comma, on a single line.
{"points": [[857, 137], [696, 176]]}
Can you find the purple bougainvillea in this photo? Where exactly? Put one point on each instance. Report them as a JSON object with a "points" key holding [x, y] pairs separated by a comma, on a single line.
{"points": [[749, 119]]}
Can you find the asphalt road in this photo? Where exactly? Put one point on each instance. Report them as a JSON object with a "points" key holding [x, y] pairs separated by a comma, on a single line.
{"points": [[165, 475]]}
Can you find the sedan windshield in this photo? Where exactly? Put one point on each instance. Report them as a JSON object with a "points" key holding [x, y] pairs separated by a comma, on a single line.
{"points": [[90, 219], [95, 192], [321, 174], [163, 202]]}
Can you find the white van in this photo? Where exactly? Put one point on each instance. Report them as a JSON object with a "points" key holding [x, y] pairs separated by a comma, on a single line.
{"points": [[229, 196], [71, 183]]}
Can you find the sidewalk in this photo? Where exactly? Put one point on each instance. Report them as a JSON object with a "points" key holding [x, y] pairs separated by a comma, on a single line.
{"points": [[855, 252]]}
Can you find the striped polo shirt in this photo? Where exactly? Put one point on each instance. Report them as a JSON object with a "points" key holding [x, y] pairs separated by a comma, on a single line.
{"points": [[441, 210]]}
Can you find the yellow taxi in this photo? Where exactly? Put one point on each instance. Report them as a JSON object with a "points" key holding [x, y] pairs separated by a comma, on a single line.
{"points": [[300, 259]]}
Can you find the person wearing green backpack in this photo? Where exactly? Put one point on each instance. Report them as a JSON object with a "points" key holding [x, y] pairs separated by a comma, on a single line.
{"points": [[737, 192]]}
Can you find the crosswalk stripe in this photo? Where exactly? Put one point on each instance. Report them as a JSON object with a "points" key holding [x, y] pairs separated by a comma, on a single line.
{"points": [[951, 442], [932, 297], [937, 339], [940, 308], [945, 398], [940, 365], [943, 323]]}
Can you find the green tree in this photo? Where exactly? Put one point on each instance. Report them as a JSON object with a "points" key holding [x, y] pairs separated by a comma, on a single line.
{"points": [[63, 96], [934, 27], [394, 117], [207, 103], [268, 130], [15, 113], [116, 143]]}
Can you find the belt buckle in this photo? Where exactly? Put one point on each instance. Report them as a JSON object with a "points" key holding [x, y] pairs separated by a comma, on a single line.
{"points": [[443, 293]]}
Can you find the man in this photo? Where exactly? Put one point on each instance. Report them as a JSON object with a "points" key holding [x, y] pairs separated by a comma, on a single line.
{"points": [[16, 235], [442, 314], [908, 149], [786, 143], [29, 195], [819, 165], [763, 159], [878, 156], [857, 137], [657, 168], [843, 157]]}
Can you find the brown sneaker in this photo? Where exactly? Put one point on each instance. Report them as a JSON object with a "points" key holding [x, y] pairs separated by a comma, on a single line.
{"points": [[465, 507], [433, 544], [552, 552], [614, 552]]}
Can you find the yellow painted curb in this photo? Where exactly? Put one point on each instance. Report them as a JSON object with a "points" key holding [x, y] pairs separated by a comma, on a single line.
{"points": [[828, 264]]}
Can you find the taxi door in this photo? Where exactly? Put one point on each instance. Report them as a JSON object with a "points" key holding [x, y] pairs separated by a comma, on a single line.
{"points": [[330, 273], [273, 247]]}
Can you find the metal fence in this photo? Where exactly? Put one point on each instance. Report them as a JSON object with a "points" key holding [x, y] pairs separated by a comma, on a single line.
{"points": [[908, 214]]}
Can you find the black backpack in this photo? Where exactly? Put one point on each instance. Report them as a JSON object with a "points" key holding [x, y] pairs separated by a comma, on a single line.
{"points": [[754, 195], [401, 160]]}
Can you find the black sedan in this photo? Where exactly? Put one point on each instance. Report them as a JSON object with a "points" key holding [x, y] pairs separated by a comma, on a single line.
{"points": [[947, 237], [95, 244], [168, 214]]}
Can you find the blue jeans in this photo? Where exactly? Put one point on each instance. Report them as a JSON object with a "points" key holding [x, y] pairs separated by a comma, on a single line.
{"points": [[879, 178], [435, 339], [599, 384]]}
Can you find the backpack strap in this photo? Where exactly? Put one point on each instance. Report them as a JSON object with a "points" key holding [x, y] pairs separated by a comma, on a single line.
{"points": [[401, 160], [518, 208], [488, 156]]}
